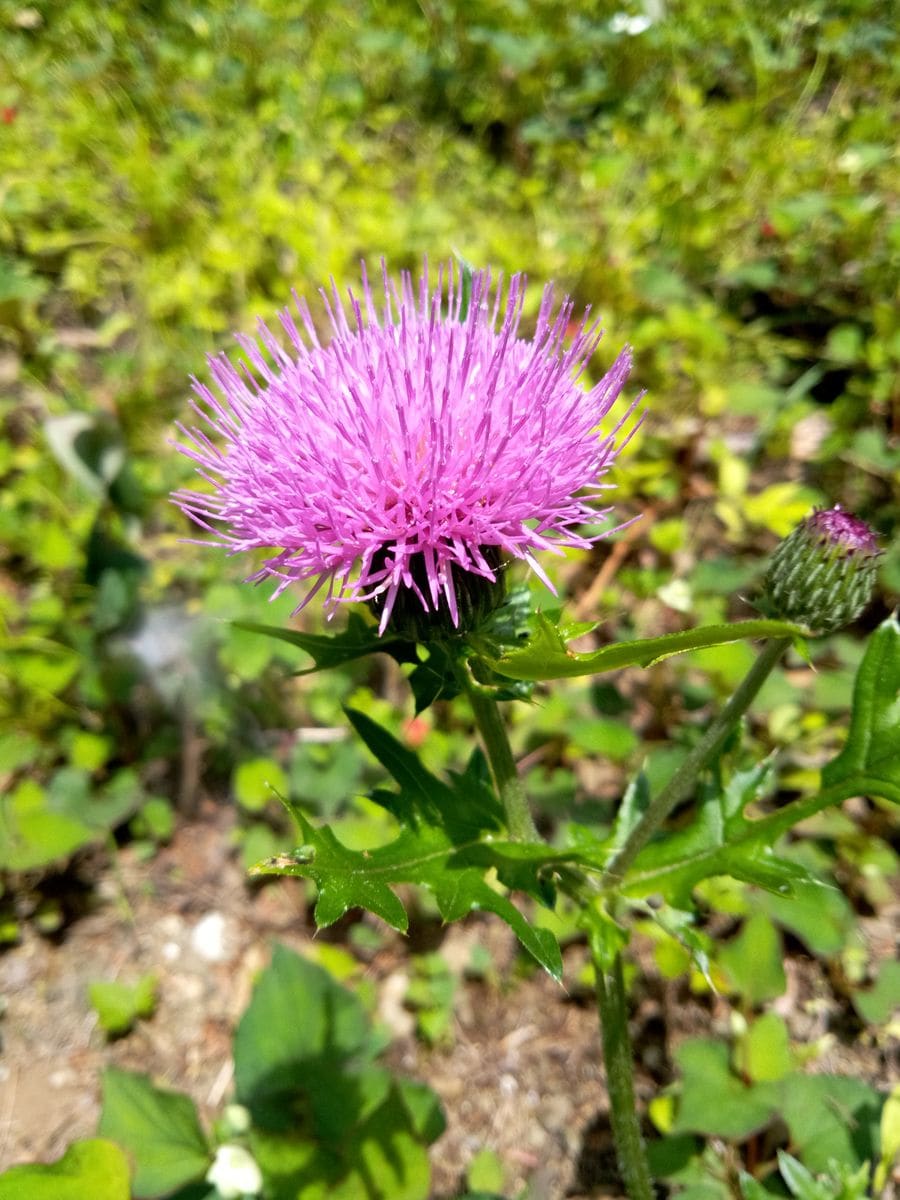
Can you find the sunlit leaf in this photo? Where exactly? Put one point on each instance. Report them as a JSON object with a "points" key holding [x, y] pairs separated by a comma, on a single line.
{"points": [[871, 753], [95, 1168], [159, 1129], [547, 655], [446, 844]]}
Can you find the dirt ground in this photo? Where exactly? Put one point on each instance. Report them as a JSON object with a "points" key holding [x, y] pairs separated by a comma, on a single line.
{"points": [[523, 1074]]}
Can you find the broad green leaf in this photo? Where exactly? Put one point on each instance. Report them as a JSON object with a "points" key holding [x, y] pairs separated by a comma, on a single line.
{"points": [[301, 1026], [831, 1118], [385, 1158], [445, 844], [159, 1130], [547, 656], [257, 781], [32, 834], [119, 1005], [764, 1053], [817, 912], [879, 1003], [870, 759], [327, 1122], [424, 1109], [333, 650], [486, 1172], [713, 1100], [753, 961], [94, 1168]]}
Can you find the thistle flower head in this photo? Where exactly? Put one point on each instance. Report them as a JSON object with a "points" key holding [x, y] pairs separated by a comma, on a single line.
{"points": [[823, 573], [407, 459]]}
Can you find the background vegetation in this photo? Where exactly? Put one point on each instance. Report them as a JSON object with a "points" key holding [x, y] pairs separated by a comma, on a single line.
{"points": [[718, 181]]}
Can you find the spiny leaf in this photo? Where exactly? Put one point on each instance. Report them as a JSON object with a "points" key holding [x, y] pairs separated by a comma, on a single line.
{"points": [[872, 750], [445, 844], [333, 650], [719, 841], [547, 656]]}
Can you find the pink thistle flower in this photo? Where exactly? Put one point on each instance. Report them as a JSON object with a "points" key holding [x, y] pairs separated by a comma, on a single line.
{"points": [[418, 450]]}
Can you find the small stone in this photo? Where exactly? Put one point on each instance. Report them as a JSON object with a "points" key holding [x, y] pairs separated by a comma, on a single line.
{"points": [[209, 938]]}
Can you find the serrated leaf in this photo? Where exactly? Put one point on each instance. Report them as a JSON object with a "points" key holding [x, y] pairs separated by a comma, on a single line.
{"points": [[333, 650], [547, 655], [465, 806], [445, 844], [871, 753], [434, 679], [159, 1129], [95, 1168], [710, 845]]}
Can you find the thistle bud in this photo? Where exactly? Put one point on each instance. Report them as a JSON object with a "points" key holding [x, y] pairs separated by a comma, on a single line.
{"points": [[822, 575]]}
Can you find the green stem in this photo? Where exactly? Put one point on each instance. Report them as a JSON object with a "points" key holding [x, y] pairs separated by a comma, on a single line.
{"points": [[503, 767], [619, 1058], [683, 782]]}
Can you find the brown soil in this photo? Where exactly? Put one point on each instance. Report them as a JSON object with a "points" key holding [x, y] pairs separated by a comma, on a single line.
{"points": [[522, 1075]]}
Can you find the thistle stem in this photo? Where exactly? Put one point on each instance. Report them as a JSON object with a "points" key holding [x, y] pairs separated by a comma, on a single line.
{"points": [[503, 767], [683, 782], [618, 1058]]}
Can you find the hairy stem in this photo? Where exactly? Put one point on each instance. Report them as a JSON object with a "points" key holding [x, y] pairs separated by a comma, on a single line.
{"points": [[618, 1058], [684, 781], [503, 767]]}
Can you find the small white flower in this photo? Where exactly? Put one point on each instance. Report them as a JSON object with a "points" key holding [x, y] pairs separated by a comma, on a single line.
{"points": [[234, 1173]]}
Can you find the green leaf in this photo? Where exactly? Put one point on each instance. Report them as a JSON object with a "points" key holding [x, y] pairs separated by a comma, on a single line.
{"points": [[713, 1100], [890, 1139], [801, 1183], [831, 1118], [258, 781], [95, 1168], [719, 841], [385, 1158], [435, 678], [159, 1129], [879, 1003], [445, 844], [870, 759], [816, 911], [424, 1109], [32, 834], [634, 804], [119, 1005], [326, 1122], [356, 641], [753, 961], [764, 1053], [301, 1027], [547, 656]]}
